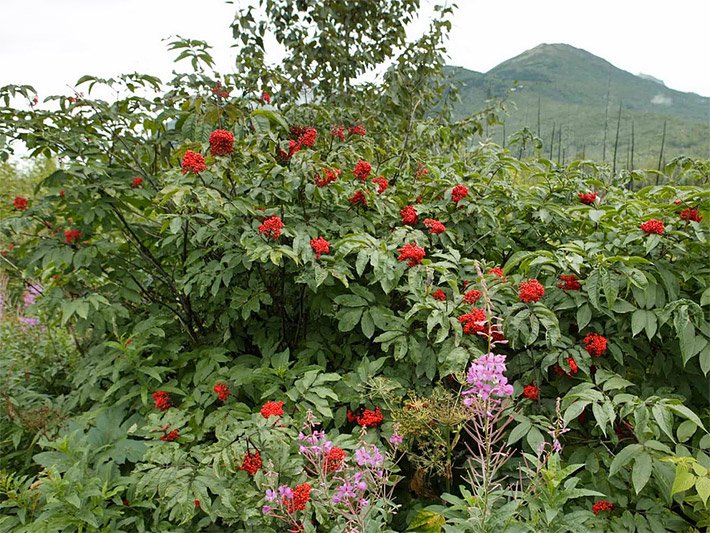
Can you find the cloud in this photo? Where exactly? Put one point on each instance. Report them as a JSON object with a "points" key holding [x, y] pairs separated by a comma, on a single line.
{"points": [[661, 99]]}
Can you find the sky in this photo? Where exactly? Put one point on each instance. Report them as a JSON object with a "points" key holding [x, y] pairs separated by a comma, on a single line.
{"points": [[51, 43]]}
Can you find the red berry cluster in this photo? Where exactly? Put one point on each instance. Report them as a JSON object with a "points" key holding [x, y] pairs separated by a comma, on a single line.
{"points": [[409, 215], [272, 408], [362, 170], [473, 322], [222, 391], [602, 505], [531, 392], [20, 203], [334, 459], [595, 344], [221, 142], [358, 199], [271, 227], [251, 462], [219, 91], [382, 184], [358, 129], [137, 182], [587, 198], [72, 235], [435, 227], [573, 368], [266, 97], [568, 282], [320, 246], [411, 253], [193, 162], [497, 272], [530, 291], [369, 418], [301, 496], [472, 296], [338, 131], [653, 226], [439, 294], [170, 436], [329, 176], [162, 400], [690, 215], [458, 193]]}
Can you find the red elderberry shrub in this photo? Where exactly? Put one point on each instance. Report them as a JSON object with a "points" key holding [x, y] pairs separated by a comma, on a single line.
{"points": [[677, 201], [358, 199], [266, 97], [301, 496], [221, 142], [193, 162], [251, 462], [271, 227], [308, 138], [329, 176], [409, 215], [358, 129], [20, 203], [222, 391], [171, 436], [435, 227], [458, 193], [595, 344], [272, 408], [587, 198], [293, 147], [569, 283], [334, 459], [653, 226], [439, 294], [197, 504], [72, 235], [411, 253], [369, 418], [320, 246], [473, 322], [472, 296], [531, 392], [352, 417], [162, 400], [690, 215], [421, 171], [362, 170], [573, 368], [602, 505], [338, 131], [382, 184], [530, 291], [137, 182]]}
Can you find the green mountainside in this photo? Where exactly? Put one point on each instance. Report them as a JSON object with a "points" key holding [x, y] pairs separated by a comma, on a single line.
{"points": [[569, 87]]}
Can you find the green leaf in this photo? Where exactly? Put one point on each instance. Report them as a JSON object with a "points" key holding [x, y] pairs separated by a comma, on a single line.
{"points": [[683, 481], [641, 472], [584, 316], [519, 431], [702, 486], [623, 457], [367, 325]]}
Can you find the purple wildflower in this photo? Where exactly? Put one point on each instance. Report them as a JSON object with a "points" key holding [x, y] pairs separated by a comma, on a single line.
{"points": [[487, 378]]}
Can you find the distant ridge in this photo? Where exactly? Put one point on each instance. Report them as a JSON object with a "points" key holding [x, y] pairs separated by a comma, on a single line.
{"points": [[570, 86]]}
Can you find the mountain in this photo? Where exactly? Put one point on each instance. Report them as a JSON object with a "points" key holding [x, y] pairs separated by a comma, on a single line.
{"points": [[576, 93]]}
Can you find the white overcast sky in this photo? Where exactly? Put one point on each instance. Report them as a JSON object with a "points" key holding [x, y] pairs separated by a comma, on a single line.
{"points": [[51, 43]]}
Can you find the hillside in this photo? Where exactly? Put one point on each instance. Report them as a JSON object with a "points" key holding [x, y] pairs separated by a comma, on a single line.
{"points": [[569, 86]]}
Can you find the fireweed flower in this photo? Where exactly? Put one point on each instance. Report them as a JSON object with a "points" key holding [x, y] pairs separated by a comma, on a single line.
{"points": [[72, 235], [595, 344], [193, 162], [568, 282], [372, 457], [486, 377], [396, 439], [251, 462], [530, 291], [137, 182], [409, 215], [472, 296], [587, 198], [20, 203], [435, 227], [439, 294], [162, 400], [411, 253], [362, 170], [458, 193], [358, 199], [221, 142], [271, 227], [222, 391], [602, 505], [382, 184], [531, 392], [320, 246], [272, 408], [653, 226], [690, 215]]}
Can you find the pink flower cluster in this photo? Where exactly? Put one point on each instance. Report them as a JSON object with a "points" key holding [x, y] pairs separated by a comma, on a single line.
{"points": [[486, 377]]}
